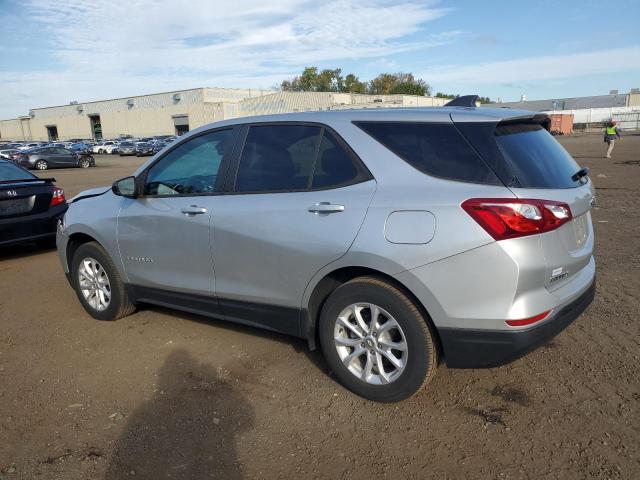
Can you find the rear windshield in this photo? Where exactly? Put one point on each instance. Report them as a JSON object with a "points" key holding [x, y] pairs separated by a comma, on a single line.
{"points": [[436, 149], [9, 171], [534, 157]]}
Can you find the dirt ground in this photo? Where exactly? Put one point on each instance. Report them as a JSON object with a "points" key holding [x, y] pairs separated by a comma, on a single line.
{"points": [[162, 394]]}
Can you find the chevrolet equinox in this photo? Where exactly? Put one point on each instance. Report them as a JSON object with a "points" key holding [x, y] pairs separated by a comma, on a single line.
{"points": [[393, 238]]}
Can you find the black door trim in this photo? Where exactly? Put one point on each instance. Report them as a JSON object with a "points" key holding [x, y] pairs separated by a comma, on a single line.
{"points": [[271, 317]]}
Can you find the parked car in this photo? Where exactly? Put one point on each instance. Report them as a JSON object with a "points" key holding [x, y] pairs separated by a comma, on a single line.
{"points": [[109, 146], [30, 207], [6, 154], [158, 146], [30, 145], [394, 238], [143, 148], [127, 148], [52, 157], [80, 148]]}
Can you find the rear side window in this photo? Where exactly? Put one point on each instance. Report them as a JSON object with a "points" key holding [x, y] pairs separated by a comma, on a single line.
{"points": [[277, 158], [534, 157], [281, 158], [436, 149]]}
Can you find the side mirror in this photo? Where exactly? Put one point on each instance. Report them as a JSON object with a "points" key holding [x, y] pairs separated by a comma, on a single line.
{"points": [[125, 187]]}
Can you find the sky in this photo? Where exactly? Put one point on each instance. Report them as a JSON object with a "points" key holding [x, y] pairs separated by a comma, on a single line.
{"points": [[57, 51]]}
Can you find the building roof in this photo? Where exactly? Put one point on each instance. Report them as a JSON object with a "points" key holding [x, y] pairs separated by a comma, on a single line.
{"points": [[571, 103]]}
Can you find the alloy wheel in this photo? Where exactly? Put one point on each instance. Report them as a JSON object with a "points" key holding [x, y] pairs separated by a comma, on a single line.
{"points": [[94, 284], [370, 343]]}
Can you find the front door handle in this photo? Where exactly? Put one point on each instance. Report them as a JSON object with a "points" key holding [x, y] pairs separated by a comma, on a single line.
{"points": [[325, 208], [193, 210]]}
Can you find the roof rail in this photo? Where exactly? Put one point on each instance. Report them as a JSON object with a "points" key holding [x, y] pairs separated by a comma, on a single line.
{"points": [[463, 101]]}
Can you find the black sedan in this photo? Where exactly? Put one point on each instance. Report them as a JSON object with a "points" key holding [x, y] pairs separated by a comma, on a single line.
{"points": [[144, 148], [30, 207], [42, 158]]}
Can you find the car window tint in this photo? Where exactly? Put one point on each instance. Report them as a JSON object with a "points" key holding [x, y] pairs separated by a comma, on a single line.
{"points": [[436, 149], [535, 158], [190, 168], [277, 158], [334, 166], [9, 171]]}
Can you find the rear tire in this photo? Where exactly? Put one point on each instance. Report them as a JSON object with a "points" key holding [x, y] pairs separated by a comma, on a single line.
{"points": [[398, 352], [111, 300], [41, 165]]}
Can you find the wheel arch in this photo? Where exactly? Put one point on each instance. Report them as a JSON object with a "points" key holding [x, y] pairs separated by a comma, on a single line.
{"points": [[74, 242], [332, 280]]}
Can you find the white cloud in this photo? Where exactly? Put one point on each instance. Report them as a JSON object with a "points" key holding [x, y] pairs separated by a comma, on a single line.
{"points": [[543, 68], [135, 46]]}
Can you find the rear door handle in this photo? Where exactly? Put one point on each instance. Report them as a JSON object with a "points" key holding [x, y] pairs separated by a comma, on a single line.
{"points": [[325, 208], [193, 210]]}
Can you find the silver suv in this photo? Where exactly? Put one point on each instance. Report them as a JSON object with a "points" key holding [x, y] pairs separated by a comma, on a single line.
{"points": [[394, 238]]}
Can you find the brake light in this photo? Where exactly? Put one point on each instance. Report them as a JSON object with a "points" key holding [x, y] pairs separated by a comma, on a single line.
{"points": [[505, 218], [528, 321], [58, 197]]}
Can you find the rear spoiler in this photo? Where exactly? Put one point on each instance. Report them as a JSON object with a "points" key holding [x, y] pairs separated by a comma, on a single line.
{"points": [[539, 118], [28, 180]]}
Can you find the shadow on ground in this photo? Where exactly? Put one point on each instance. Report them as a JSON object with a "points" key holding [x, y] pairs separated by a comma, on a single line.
{"points": [[23, 250], [187, 430]]}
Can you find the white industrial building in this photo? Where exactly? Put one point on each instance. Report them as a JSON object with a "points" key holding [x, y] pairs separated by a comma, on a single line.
{"points": [[173, 113]]}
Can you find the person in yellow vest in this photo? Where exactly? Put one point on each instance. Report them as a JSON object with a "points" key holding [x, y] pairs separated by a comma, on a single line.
{"points": [[611, 133]]}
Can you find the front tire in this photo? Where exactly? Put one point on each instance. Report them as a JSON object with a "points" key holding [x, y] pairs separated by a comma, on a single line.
{"points": [[85, 163], [98, 284], [376, 340], [41, 165]]}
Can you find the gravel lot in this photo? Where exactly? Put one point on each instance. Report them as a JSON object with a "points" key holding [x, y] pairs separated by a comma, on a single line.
{"points": [[162, 394]]}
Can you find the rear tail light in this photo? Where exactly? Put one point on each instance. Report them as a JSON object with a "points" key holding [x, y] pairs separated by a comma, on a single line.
{"points": [[58, 197], [505, 218], [528, 321]]}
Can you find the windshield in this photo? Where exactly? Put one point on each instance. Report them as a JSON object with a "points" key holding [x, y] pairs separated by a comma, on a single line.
{"points": [[9, 171]]}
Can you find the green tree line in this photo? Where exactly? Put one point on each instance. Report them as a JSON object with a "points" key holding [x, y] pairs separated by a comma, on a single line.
{"points": [[312, 79]]}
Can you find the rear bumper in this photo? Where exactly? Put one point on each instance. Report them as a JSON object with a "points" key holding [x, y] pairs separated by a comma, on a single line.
{"points": [[31, 227], [466, 348]]}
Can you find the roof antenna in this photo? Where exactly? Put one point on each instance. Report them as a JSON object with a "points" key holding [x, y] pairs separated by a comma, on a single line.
{"points": [[464, 101]]}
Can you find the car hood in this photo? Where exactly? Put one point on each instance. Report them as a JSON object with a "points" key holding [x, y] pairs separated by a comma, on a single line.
{"points": [[92, 192]]}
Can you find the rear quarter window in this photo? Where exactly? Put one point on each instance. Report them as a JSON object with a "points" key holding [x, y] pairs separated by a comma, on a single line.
{"points": [[437, 149]]}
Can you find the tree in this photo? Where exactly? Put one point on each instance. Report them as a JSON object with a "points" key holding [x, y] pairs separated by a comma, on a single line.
{"points": [[353, 85], [310, 80], [328, 80], [382, 84]]}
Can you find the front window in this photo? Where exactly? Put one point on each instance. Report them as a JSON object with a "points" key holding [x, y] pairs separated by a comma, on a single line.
{"points": [[191, 168]]}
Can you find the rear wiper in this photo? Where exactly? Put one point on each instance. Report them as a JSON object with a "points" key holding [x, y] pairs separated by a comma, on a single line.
{"points": [[583, 172]]}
